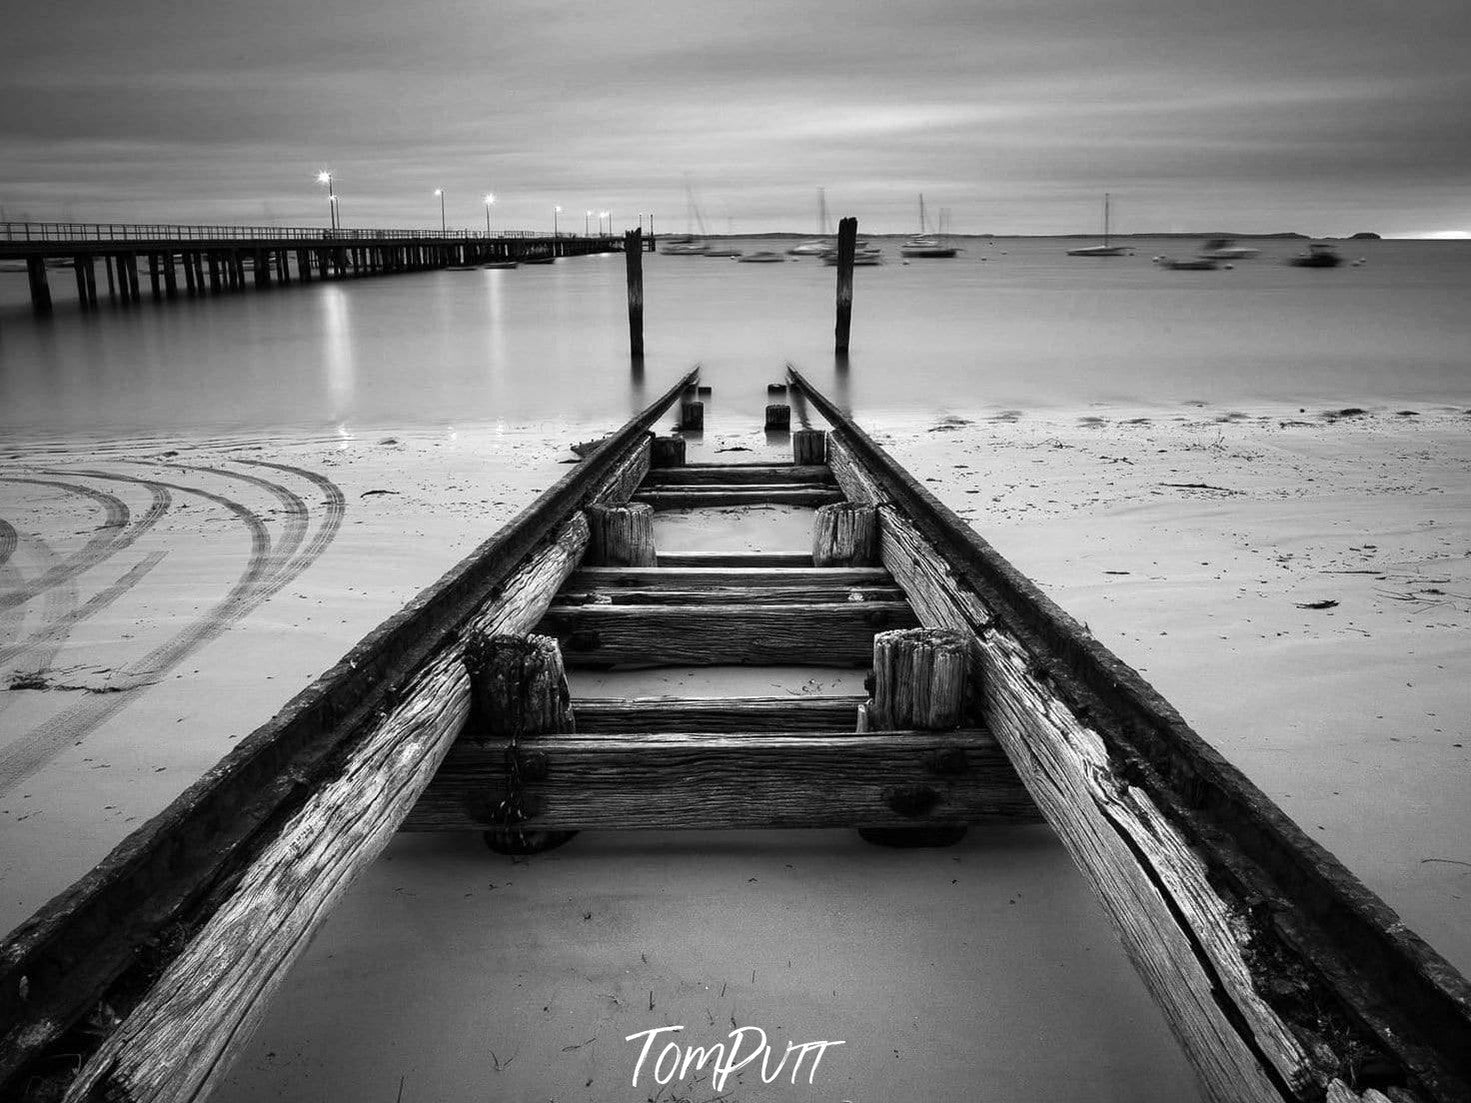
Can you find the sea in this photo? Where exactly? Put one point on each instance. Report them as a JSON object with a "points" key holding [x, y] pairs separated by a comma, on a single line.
{"points": [[1010, 323]]}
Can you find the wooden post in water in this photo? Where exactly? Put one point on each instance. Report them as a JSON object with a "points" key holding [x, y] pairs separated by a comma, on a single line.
{"points": [[666, 452], [920, 680], [809, 446], [845, 534], [621, 536], [633, 257], [89, 272], [518, 690], [81, 276], [778, 416], [40, 286], [847, 243], [691, 415]]}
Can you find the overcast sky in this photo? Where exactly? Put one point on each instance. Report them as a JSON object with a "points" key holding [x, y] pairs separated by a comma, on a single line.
{"points": [[1323, 116]]}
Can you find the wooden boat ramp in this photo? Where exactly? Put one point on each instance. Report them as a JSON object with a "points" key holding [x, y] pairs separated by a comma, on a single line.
{"points": [[1281, 976]]}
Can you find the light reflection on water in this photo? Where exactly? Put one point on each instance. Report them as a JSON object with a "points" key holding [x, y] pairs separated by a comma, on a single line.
{"points": [[1014, 324], [337, 352]]}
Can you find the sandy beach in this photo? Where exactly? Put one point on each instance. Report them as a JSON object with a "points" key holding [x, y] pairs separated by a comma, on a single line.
{"points": [[1297, 583]]}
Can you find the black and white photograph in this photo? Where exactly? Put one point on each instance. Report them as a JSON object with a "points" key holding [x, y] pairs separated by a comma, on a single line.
{"points": [[742, 552]]}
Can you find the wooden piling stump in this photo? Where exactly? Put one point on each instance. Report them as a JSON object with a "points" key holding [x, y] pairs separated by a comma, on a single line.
{"points": [[621, 535], [633, 256], [518, 690], [809, 447], [40, 287], [691, 415], [921, 679], [921, 682], [845, 535], [667, 452], [778, 416], [847, 243]]}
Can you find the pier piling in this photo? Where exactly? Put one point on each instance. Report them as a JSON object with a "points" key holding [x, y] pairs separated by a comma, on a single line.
{"points": [[633, 255], [809, 446], [847, 243], [40, 287]]}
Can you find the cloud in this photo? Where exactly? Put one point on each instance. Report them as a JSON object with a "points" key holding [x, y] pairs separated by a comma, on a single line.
{"points": [[1024, 111]]}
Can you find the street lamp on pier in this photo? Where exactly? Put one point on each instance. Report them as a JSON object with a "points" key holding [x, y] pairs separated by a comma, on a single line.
{"points": [[555, 212], [440, 192], [609, 216], [585, 216], [489, 202], [325, 177]]}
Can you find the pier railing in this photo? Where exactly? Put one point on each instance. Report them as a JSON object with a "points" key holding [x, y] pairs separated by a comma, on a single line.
{"points": [[120, 231]]}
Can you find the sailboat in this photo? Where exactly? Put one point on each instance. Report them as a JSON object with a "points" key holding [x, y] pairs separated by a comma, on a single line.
{"points": [[925, 244], [818, 245], [687, 244], [1104, 250]]}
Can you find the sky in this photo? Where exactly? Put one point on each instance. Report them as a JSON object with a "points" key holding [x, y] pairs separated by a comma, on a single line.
{"points": [[1325, 117]]}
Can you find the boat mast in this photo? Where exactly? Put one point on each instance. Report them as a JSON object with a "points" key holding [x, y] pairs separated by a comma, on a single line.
{"points": [[921, 214], [1105, 218], [821, 212]]}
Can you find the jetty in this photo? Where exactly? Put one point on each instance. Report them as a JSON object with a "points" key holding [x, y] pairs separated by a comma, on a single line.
{"points": [[199, 260], [1283, 978]]}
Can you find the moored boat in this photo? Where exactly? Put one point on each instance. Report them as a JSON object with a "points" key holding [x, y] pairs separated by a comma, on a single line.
{"points": [[1224, 248], [925, 245], [500, 264], [864, 256], [764, 256], [1107, 249], [1319, 255], [682, 246], [817, 246]]}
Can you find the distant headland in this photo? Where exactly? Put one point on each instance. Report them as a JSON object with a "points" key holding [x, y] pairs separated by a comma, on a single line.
{"points": [[1285, 235]]}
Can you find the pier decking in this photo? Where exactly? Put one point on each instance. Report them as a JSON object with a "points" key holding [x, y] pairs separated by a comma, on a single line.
{"points": [[215, 259]]}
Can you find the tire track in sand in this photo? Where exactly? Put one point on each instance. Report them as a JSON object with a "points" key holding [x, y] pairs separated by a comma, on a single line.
{"points": [[264, 575], [336, 506], [57, 602], [34, 749], [55, 627], [108, 537], [7, 541]]}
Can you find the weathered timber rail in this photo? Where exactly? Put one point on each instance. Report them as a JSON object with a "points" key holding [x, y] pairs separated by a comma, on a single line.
{"points": [[198, 260], [1282, 976], [731, 761], [189, 924]]}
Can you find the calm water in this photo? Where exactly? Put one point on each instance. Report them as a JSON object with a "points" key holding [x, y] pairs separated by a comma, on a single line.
{"points": [[1014, 324]]}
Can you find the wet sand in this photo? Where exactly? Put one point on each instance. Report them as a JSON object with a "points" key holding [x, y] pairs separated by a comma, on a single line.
{"points": [[1352, 716]]}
